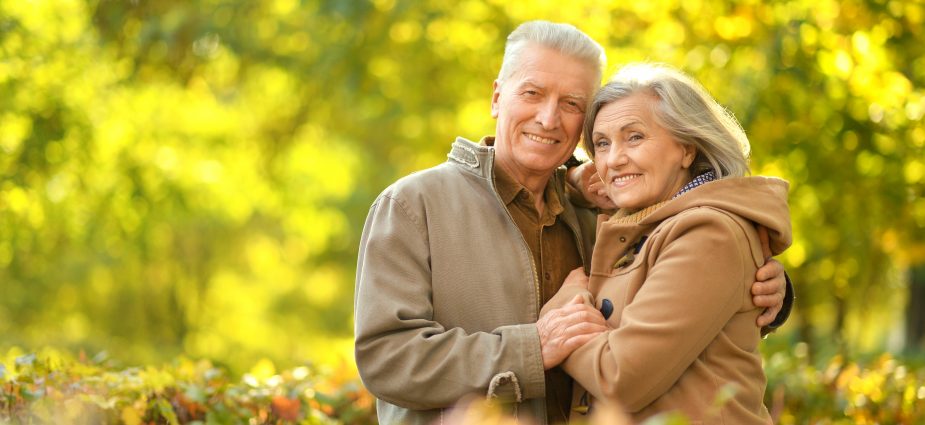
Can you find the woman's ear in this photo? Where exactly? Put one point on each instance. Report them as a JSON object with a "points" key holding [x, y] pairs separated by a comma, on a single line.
{"points": [[690, 153]]}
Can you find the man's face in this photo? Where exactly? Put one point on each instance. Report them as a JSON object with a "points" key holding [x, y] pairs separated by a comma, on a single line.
{"points": [[540, 108]]}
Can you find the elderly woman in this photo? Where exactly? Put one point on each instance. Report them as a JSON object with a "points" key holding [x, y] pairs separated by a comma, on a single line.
{"points": [[671, 270]]}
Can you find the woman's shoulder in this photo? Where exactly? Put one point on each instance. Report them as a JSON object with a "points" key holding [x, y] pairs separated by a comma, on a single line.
{"points": [[712, 227]]}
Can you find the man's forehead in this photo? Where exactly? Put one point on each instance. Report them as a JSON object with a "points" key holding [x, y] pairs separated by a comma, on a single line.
{"points": [[533, 82]]}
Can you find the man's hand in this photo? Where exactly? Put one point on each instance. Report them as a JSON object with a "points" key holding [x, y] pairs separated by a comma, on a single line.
{"points": [[566, 328], [768, 292], [771, 286], [584, 178]]}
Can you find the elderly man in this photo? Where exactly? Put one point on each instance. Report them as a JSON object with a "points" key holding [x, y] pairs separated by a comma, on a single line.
{"points": [[456, 261]]}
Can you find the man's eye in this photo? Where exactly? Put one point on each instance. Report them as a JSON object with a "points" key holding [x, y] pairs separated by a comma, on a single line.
{"points": [[572, 106]]}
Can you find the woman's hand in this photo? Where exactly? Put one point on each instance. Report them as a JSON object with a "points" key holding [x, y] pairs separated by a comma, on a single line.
{"points": [[564, 329], [577, 278], [584, 178]]}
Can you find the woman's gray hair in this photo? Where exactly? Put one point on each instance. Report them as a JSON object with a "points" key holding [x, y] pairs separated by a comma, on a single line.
{"points": [[686, 110], [563, 38]]}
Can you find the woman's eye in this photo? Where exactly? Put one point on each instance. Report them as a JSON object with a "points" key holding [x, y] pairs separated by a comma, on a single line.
{"points": [[601, 144], [635, 137]]}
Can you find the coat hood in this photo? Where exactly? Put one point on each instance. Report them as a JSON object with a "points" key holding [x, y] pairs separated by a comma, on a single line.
{"points": [[762, 200]]}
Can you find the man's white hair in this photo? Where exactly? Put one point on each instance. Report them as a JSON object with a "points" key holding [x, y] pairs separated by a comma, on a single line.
{"points": [[564, 38]]}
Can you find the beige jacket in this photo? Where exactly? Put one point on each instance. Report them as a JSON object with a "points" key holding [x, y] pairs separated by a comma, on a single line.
{"points": [[447, 293], [682, 314]]}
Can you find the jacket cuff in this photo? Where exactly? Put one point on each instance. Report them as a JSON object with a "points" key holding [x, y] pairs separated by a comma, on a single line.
{"points": [[529, 382]]}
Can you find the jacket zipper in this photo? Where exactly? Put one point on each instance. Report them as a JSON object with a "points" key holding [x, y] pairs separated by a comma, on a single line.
{"points": [[575, 231], [536, 283]]}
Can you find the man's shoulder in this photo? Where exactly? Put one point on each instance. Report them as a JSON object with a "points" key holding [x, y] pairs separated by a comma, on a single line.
{"points": [[425, 180], [446, 179]]}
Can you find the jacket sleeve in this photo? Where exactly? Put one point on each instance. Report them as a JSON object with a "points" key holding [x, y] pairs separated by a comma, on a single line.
{"points": [[695, 284], [407, 358]]}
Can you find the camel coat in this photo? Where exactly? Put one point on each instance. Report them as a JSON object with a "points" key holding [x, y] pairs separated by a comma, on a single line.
{"points": [[674, 284]]}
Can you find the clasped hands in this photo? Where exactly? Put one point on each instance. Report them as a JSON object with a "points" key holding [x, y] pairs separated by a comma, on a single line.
{"points": [[564, 329]]}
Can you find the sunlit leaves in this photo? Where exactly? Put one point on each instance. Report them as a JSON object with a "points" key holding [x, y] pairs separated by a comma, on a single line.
{"points": [[193, 176], [884, 390], [55, 388]]}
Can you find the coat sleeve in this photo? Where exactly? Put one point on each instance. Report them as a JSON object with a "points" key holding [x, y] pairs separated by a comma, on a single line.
{"points": [[407, 358], [694, 286]]}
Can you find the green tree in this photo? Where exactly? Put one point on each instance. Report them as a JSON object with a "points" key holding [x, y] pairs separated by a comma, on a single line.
{"points": [[193, 176]]}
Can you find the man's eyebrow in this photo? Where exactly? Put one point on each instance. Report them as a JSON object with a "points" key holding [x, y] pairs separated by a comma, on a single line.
{"points": [[529, 82], [533, 83]]}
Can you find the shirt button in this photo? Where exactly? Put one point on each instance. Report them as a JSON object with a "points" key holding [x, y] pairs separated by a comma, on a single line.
{"points": [[622, 238], [546, 275]]}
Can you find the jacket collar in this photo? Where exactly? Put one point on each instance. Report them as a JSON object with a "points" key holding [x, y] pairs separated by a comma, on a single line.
{"points": [[474, 158], [479, 159]]}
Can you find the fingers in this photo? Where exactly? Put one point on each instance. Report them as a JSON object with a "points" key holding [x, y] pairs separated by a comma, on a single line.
{"points": [[567, 320], [577, 277], [576, 300], [767, 317], [584, 328], [770, 292], [596, 187], [577, 341], [577, 311], [768, 301], [597, 191], [765, 288], [765, 241], [770, 270], [564, 329], [605, 202], [590, 173]]}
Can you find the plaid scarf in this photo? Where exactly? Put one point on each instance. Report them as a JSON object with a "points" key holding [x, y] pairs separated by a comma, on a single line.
{"points": [[697, 181]]}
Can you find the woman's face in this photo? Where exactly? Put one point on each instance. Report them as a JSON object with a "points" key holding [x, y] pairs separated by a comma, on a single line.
{"points": [[638, 160]]}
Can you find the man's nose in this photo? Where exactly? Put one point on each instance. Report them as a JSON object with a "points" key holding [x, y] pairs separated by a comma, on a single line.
{"points": [[548, 114]]}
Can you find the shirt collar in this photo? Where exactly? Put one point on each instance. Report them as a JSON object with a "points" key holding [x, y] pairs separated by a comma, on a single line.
{"points": [[509, 189]]}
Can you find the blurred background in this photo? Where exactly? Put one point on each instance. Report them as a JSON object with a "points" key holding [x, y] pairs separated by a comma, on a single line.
{"points": [[191, 177]]}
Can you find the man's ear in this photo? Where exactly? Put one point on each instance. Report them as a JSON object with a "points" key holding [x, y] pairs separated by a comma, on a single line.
{"points": [[495, 98]]}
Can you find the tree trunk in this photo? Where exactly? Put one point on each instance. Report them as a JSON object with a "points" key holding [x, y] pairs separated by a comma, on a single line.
{"points": [[915, 309], [838, 331]]}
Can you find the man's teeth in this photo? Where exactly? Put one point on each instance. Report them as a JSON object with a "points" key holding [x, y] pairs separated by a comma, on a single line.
{"points": [[542, 140], [625, 178]]}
